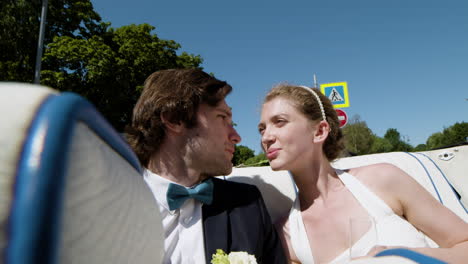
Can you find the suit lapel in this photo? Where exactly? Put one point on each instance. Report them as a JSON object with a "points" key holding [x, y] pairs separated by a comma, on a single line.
{"points": [[216, 226]]}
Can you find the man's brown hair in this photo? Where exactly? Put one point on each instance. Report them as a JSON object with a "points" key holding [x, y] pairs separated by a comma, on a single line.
{"points": [[176, 94]]}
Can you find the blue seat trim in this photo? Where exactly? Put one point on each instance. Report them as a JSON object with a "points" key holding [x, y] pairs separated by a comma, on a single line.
{"points": [[412, 255], [428, 175], [445, 177], [40, 178]]}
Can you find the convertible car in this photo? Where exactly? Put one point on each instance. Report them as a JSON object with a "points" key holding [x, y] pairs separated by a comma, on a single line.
{"points": [[71, 189]]}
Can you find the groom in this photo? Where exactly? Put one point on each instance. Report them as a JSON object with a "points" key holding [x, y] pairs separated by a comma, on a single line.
{"points": [[183, 135]]}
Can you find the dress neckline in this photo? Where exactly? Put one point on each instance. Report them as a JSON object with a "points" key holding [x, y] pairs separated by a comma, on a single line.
{"points": [[303, 245]]}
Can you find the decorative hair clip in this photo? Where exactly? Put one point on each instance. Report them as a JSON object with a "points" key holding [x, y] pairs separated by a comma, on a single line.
{"points": [[318, 100]]}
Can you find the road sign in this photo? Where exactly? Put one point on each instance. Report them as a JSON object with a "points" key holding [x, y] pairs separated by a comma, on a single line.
{"points": [[337, 93], [342, 117]]}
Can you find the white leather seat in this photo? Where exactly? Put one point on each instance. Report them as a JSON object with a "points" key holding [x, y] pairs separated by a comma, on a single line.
{"points": [[70, 187]]}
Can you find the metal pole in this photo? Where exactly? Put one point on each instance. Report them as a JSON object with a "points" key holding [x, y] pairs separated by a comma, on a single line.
{"points": [[315, 81], [40, 43]]}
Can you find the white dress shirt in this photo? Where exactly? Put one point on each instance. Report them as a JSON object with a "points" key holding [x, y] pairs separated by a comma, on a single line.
{"points": [[183, 228]]}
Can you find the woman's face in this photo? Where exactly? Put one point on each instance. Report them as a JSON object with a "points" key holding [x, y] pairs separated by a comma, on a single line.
{"points": [[287, 134]]}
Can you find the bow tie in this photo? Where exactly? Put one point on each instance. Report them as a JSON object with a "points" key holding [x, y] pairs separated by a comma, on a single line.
{"points": [[177, 194]]}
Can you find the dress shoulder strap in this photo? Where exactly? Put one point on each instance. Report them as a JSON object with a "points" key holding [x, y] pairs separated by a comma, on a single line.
{"points": [[299, 240], [375, 206]]}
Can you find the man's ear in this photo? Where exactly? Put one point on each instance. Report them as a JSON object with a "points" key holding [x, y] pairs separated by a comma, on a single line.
{"points": [[175, 127], [322, 131]]}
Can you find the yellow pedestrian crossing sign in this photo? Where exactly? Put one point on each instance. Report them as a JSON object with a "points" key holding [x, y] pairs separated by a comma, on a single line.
{"points": [[337, 93]]}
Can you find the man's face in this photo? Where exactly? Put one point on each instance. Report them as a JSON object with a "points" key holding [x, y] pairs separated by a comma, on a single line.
{"points": [[211, 143]]}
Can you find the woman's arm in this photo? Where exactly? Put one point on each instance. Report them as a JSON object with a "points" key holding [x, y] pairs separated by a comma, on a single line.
{"points": [[423, 211]]}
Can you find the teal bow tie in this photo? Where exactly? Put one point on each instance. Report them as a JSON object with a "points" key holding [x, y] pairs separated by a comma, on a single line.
{"points": [[177, 194]]}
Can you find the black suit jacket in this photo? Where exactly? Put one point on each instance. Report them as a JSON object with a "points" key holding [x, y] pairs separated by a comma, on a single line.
{"points": [[238, 220]]}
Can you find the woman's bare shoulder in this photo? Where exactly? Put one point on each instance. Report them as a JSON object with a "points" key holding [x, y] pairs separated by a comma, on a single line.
{"points": [[385, 180], [383, 173]]}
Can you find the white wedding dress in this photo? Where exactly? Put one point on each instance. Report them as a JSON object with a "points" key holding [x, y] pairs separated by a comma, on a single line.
{"points": [[392, 230]]}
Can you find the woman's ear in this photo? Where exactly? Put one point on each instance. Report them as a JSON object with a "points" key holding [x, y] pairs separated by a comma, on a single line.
{"points": [[170, 126], [321, 133]]}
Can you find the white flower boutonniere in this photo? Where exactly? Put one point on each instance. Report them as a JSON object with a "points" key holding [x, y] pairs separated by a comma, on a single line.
{"points": [[240, 257]]}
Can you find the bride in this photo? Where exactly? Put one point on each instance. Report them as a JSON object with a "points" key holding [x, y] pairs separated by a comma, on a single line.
{"points": [[300, 132]]}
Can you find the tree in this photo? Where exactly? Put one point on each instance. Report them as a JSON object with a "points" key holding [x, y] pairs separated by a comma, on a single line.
{"points": [[241, 154], [394, 138], [453, 135], [420, 147], [456, 134], [84, 55], [110, 68], [358, 137], [381, 145], [435, 140], [19, 30], [258, 160]]}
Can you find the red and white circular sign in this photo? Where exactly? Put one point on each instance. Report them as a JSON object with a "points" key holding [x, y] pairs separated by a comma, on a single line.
{"points": [[342, 117]]}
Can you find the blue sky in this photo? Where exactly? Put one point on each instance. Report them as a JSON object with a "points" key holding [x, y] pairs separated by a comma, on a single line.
{"points": [[405, 61]]}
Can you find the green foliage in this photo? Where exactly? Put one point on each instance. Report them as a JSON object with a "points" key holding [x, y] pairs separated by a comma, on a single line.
{"points": [[360, 140], [358, 137], [456, 134], [220, 257], [404, 146], [258, 160], [394, 138], [381, 145], [421, 147], [452, 135], [109, 69], [241, 154], [19, 30], [435, 140], [82, 54]]}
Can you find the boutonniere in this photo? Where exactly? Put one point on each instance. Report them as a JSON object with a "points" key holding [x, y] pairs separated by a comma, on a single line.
{"points": [[235, 257]]}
